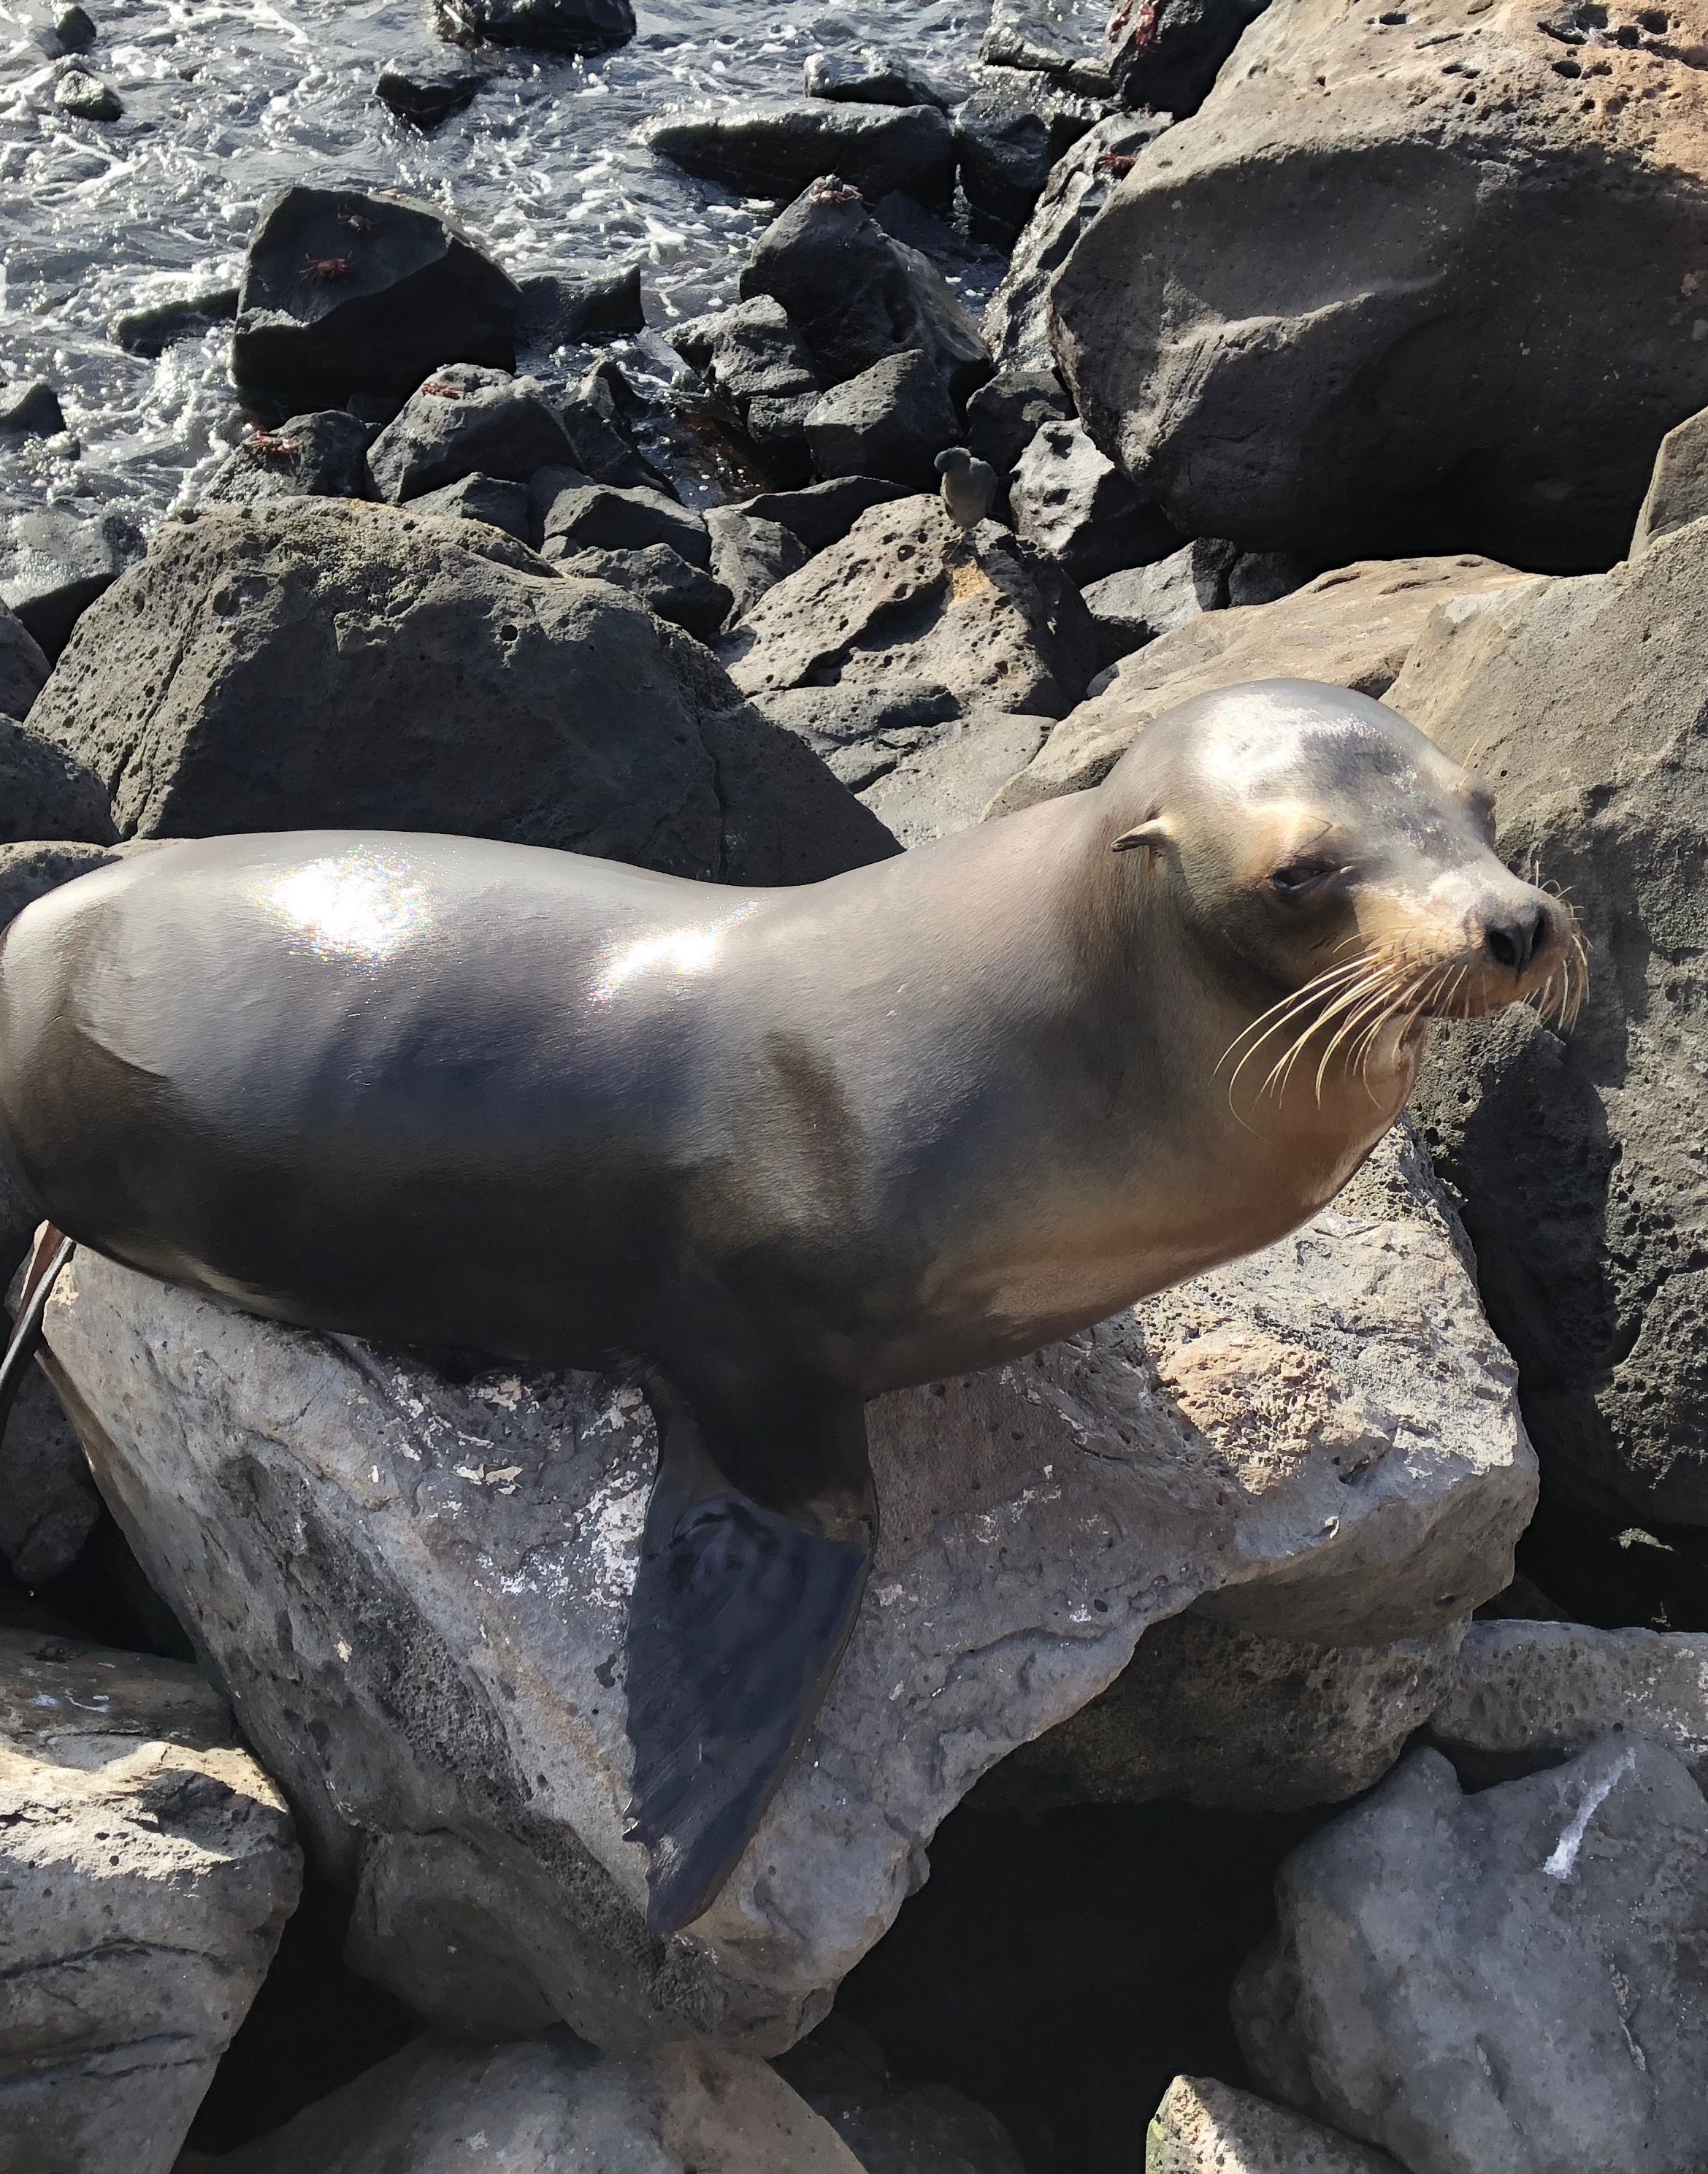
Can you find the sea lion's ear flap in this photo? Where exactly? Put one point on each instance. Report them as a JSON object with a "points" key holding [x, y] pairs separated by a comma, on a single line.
{"points": [[1152, 834]]}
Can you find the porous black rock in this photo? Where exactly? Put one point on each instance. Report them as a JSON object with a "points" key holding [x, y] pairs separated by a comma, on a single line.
{"points": [[599, 420], [498, 503], [856, 295], [868, 77], [558, 309], [428, 88], [892, 420], [822, 513], [46, 793], [464, 420], [1005, 415], [774, 148], [553, 26], [590, 516], [319, 456], [654, 574], [344, 292], [151, 330], [55, 563], [1071, 500], [30, 411]]}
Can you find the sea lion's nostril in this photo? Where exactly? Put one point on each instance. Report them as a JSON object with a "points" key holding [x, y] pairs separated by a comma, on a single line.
{"points": [[1512, 942]]}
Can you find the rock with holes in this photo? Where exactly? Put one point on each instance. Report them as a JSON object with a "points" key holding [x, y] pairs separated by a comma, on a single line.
{"points": [[906, 601], [1515, 1981], [1070, 501], [1579, 1161], [1353, 628], [1202, 2127], [415, 1590], [550, 2106], [345, 292], [318, 661], [1281, 324], [148, 1866]]}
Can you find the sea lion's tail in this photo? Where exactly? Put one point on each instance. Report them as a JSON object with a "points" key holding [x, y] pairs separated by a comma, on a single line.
{"points": [[739, 1615]]}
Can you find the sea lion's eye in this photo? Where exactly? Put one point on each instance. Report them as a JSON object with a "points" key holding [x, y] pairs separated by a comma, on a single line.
{"points": [[1297, 877]]}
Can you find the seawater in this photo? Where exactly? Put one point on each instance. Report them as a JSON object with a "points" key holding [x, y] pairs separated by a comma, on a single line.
{"points": [[227, 100]]}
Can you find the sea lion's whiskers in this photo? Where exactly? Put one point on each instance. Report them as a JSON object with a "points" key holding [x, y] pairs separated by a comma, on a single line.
{"points": [[1394, 1000], [1369, 976], [1369, 991], [1350, 1024], [1283, 1014]]}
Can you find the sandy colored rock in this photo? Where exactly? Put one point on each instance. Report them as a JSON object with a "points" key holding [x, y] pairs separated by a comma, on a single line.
{"points": [[1351, 627], [148, 1868], [415, 1590], [1202, 2127]]}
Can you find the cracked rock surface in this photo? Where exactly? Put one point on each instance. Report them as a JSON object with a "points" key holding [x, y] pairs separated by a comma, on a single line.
{"points": [[415, 1591]]}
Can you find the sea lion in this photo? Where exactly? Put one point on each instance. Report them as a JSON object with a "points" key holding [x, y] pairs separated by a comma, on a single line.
{"points": [[776, 1151]]}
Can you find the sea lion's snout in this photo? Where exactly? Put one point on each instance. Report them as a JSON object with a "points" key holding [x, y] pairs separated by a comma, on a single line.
{"points": [[1513, 939]]}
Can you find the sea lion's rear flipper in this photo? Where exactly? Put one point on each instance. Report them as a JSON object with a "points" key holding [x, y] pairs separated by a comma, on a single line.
{"points": [[53, 1250], [739, 1615]]}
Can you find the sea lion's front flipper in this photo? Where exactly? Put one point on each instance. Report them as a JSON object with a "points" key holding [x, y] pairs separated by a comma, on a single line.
{"points": [[739, 1615]]}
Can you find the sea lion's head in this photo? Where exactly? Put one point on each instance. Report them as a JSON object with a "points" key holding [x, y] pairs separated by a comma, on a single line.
{"points": [[1332, 863]]}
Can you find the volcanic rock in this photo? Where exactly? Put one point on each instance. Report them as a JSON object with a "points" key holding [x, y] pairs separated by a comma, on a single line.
{"points": [[85, 97], [151, 330], [1016, 321], [1008, 137], [892, 420], [46, 793], [1044, 35], [558, 311], [148, 1867], [323, 456], [467, 421], [318, 661], [549, 2103], [344, 292], [890, 2127], [655, 575], [592, 516], [429, 88], [856, 295], [485, 497], [1353, 628], [24, 669], [870, 78], [48, 1505], [822, 513], [756, 368], [1579, 1162], [1513, 1980], [1270, 372], [1142, 603], [1166, 58], [1070, 500], [1678, 491], [774, 148], [552, 26], [30, 411], [431, 1660], [750, 555], [55, 563], [1202, 2127], [1005, 415]]}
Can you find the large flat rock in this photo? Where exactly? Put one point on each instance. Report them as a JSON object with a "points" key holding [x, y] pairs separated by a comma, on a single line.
{"points": [[148, 1867], [415, 1590]]}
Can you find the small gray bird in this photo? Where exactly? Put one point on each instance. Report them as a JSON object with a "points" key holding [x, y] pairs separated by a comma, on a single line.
{"points": [[969, 485]]}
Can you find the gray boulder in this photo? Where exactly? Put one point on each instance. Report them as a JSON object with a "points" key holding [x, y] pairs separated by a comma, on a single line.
{"points": [[1321, 1441], [821, 513], [1202, 2127], [856, 295], [773, 148], [151, 329], [86, 97], [756, 371], [750, 555], [1169, 58], [429, 88], [655, 575], [24, 669], [1072, 501], [557, 310], [322, 456], [500, 504], [1016, 322], [1523, 1695], [55, 563], [552, 26], [1005, 415], [891, 421], [46, 793], [48, 1505], [317, 662], [869, 77], [891, 2127], [149, 1868], [1514, 1982], [1269, 371], [1008, 136], [30, 411], [465, 421], [905, 600], [1140, 604], [590, 516], [346, 292], [550, 2106], [1579, 1162], [1678, 491], [1044, 35], [1262, 577], [1217, 1715], [1355, 627]]}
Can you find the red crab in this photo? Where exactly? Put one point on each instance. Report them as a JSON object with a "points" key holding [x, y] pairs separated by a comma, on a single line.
{"points": [[327, 267]]}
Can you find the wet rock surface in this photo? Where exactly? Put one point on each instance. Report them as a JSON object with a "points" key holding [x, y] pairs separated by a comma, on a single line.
{"points": [[429, 88], [518, 704], [321, 456], [1513, 1979], [775, 148], [405, 1651], [555, 26], [24, 669], [148, 1866], [55, 563]]}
